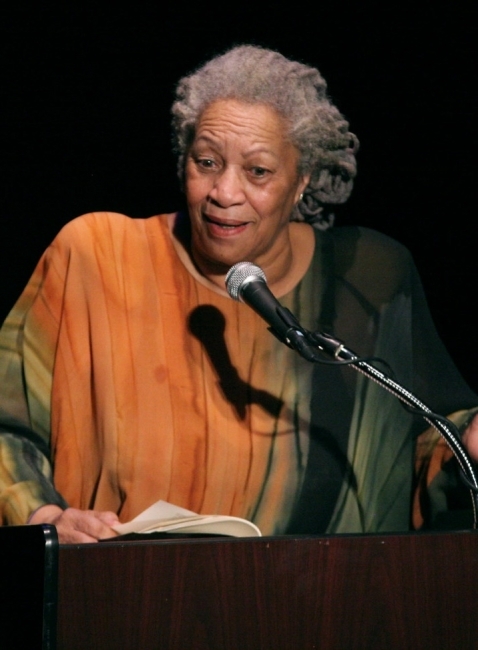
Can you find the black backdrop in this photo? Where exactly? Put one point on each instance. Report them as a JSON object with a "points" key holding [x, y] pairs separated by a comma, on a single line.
{"points": [[85, 106]]}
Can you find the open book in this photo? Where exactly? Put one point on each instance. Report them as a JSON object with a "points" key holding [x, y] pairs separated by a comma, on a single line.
{"points": [[166, 517]]}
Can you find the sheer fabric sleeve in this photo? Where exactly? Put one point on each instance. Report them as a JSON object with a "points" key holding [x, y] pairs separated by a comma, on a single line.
{"points": [[381, 310], [27, 341], [441, 499]]}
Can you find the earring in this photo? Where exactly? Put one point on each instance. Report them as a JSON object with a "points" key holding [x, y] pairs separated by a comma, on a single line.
{"points": [[301, 196]]}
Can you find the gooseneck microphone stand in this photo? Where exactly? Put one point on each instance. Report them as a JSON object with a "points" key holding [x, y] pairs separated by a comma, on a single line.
{"points": [[337, 351], [247, 283]]}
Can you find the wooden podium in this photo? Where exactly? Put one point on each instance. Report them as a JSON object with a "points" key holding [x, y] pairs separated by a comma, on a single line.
{"points": [[408, 591]]}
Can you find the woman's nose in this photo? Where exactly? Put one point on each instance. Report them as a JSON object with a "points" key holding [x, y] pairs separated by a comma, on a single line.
{"points": [[228, 188]]}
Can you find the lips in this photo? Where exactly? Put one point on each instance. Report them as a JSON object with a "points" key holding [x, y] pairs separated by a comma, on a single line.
{"points": [[223, 227], [224, 223]]}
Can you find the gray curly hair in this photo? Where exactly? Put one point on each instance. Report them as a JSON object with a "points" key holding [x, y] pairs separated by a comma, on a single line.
{"points": [[297, 92]]}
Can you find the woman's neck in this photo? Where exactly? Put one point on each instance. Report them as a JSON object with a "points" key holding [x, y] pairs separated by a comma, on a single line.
{"points": [[286, 272]]}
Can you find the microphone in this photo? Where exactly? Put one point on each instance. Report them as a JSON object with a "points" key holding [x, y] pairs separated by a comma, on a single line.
{"points": [[247, 283]]}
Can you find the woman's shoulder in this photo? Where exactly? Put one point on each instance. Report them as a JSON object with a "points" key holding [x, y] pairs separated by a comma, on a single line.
{"points": [[98, 227], [356, 245], [373, 262], [364, 240], [97, 222]]}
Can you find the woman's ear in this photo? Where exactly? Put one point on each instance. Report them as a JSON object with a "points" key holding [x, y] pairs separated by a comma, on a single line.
{"points": [[303, 182]]}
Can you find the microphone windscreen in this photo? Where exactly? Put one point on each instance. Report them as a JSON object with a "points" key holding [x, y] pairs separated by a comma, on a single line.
{"points": [[241, 273]]}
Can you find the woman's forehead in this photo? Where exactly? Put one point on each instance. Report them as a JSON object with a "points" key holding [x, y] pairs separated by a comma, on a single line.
{"points": [[233, 120]]}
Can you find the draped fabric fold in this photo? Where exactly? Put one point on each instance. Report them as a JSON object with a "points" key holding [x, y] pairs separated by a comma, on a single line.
{"points": [[144, 384]]}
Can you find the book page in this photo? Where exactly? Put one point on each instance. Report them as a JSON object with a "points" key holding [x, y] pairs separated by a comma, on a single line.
{"points": [[164, 516]]}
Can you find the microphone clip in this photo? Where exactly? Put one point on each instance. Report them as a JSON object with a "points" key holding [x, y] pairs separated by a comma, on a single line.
{"points": [[295, 337]]}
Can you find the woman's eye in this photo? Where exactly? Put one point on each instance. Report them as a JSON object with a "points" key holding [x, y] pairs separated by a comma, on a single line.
{"points": [[259, 172], [205, 163]]}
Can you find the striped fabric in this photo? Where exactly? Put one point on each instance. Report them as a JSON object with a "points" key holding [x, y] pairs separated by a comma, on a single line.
{"points": [[144, 383]]}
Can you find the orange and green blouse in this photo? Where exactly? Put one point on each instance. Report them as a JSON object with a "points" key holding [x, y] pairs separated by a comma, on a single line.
{"points": [[125, 380]]}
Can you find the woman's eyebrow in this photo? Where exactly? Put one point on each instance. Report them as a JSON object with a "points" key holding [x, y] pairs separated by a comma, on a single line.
{"points": [[218, 144]]}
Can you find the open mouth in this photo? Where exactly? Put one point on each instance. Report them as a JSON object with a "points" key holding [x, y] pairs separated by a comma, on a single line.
{"points": [[224, 225]]}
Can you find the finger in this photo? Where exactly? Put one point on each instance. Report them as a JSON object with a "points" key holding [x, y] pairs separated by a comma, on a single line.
{"points": [[93, 523], [107, 517], [85, 522], [67, 535], [470, 438]]}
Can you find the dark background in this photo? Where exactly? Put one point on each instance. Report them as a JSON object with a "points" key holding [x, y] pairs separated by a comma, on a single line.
{"points": [[85, 107]]}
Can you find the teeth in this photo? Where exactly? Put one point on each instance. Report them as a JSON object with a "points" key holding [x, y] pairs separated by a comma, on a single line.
{"points": [[226, 226]]}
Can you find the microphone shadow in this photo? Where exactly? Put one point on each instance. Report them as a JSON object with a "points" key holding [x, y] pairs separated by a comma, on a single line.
{"points": [[208, 325]]}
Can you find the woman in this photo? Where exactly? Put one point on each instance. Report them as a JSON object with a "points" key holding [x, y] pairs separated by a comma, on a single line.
{"points": [[126, 364]]}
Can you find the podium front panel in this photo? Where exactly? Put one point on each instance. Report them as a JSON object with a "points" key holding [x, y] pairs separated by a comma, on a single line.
{"points": [[339, 592]]}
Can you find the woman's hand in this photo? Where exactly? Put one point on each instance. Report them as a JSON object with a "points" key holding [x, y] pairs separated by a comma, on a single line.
{"points": [[77, 526], [470, 438]]}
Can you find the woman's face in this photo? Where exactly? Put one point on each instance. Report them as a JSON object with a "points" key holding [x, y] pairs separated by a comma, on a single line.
{"points": [[241, 186]]}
